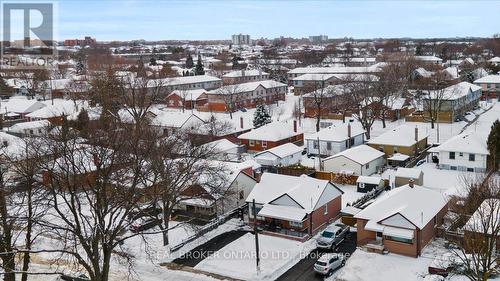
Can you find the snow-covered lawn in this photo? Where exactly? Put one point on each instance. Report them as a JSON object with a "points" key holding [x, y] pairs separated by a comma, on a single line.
{"points": [[237, 259], [147, 251], [363, 266]]}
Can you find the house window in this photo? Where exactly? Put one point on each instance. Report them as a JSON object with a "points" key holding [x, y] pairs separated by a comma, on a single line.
{"points": [[264, 143], [461, 154], [470, 169], [399, 239], [367, 166], [296, 224], [315, 144], [329, 146], [251, 143], [472, 157], [452, 155], [454, 168]]}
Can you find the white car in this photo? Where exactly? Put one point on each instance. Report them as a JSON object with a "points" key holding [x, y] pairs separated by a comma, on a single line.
{"points": [[328, 263]]}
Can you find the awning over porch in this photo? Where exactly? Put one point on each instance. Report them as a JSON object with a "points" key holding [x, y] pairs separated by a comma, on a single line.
{"points": [[282, 212], [389, 230], [398, 232]]}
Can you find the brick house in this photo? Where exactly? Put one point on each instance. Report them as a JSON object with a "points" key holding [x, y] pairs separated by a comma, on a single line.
{"points": [[456, 100], [271, 135], [490, 86], [293, 207], [403, 221], [404, 139], [483, 226], [246, 95], [244, 76], [333, 102], [187, 99]]}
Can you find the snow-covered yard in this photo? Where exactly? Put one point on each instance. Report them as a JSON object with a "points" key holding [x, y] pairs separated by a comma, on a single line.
{"points": [[350, 194], [237, 259], [363, 266]]}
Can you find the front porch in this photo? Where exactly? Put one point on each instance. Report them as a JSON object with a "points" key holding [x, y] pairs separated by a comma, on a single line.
{"points": [[373, 246]]}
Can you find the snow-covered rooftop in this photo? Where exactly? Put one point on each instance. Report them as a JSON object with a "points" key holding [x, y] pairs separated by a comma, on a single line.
{"points": [[189, 95], [468, 142], [338, 132], [369, 179], [282, 151], [304, 190], [361, 154], [409, 173], [418, 205], [403, 135], [489, 79], [246, 87], [242, 73], [273, 131]]}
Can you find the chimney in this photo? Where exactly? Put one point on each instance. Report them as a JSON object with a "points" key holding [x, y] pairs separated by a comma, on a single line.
{"points": [[260, 72], [411, 183], [349, 130], [241, 122], [295, 126], [416, 134]]}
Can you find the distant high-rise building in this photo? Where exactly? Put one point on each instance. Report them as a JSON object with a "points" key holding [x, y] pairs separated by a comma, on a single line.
{"points": [[87, 41], [318, 38], [241, 39]]}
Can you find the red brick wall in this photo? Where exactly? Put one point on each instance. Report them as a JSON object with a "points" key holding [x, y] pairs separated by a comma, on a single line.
{"points": [[402, 248], [319, 217], [258, 144], [363, 235]]}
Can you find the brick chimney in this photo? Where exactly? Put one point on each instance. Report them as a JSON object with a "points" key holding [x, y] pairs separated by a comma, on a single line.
{"points": [[241, 122], [411, 183], [416, 134], [295, 126]]}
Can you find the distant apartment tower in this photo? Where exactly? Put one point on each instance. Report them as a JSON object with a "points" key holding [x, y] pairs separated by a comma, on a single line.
{"points": [[87, 41], [241, 39], [318, 38]]}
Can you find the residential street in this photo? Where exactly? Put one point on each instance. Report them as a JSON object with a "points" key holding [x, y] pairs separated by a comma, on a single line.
{"points": [[303, 270]]}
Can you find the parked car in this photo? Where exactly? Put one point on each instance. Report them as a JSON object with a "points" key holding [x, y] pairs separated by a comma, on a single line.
{"points": [[149, 211], [420, 162], [146, 225], [332, 236], [81, 277], [328, 263]]}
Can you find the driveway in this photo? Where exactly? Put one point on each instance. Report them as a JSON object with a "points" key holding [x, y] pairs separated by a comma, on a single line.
{"points": [[196, 255], [303, 270]]}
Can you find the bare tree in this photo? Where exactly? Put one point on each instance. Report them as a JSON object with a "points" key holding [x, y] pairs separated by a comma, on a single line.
{"points": [[176, 166], [433, 94], [230, 95], [477, 253], [362, 93]]}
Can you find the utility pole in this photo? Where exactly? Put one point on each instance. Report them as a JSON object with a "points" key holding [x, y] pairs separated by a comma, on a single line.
{"points": [[256, 231]]}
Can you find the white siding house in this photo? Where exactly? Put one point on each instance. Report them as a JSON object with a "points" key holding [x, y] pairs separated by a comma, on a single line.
{"points": [[360, 160], [281, 156], [334, 139], [465, 152]]}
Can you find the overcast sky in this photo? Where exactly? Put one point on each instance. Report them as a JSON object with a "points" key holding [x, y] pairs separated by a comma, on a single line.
{"points": [[163, 19]]}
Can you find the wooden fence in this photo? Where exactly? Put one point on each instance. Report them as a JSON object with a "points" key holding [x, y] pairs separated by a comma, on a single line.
{"points": [[337, 177]]}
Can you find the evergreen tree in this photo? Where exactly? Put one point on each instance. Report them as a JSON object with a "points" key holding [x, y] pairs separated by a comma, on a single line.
{"points": [[152, 61], [236, 64], [80, 67], [494, 145], [5, 90], [199, 67], [189, 62], [261, 117]]}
